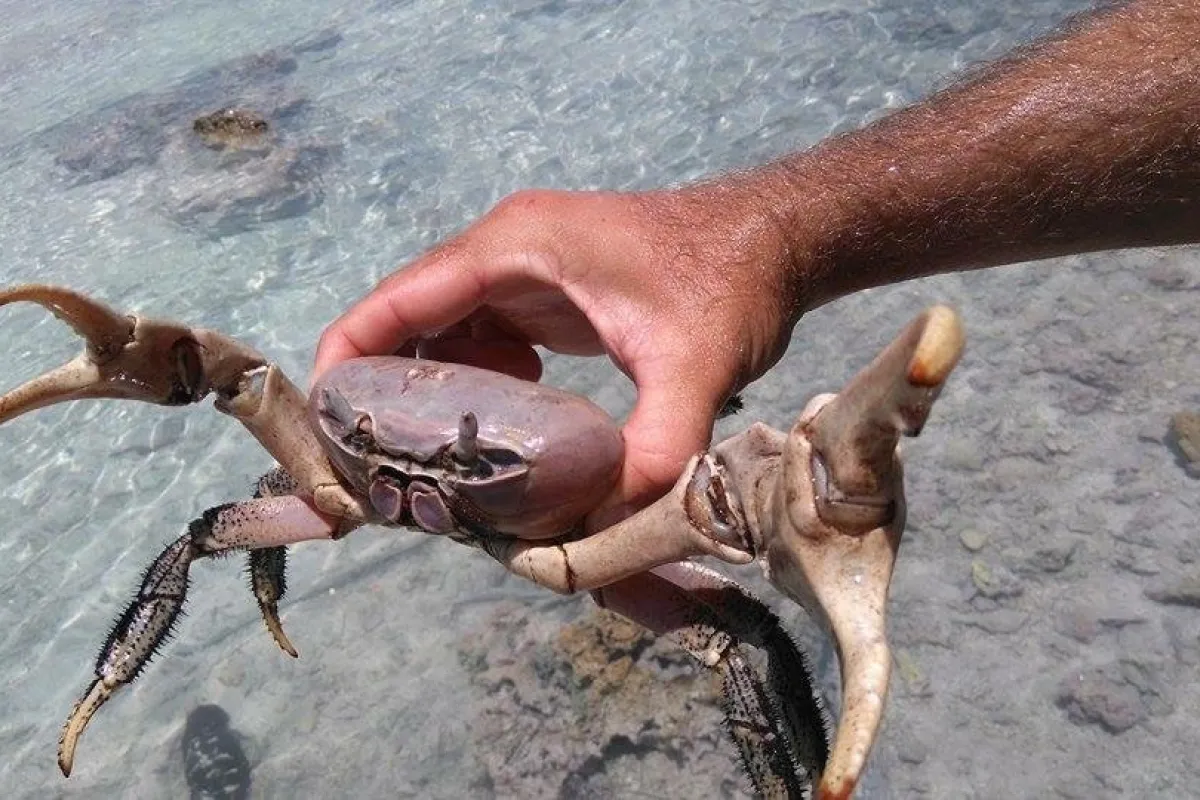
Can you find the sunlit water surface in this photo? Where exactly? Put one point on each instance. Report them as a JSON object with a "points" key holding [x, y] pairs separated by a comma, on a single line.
{"points": [[401, 122]]}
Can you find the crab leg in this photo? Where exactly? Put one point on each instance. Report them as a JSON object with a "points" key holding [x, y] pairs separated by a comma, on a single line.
{"points": [[135, 358], [700, 516], [267, 522], [268, 565], [779, 726]]}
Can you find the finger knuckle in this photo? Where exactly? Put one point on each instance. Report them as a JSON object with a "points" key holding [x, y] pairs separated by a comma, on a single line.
{"points": [[529, 204]]}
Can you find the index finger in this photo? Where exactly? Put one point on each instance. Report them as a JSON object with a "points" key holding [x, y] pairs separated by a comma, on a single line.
{"points": [[435, 292]]}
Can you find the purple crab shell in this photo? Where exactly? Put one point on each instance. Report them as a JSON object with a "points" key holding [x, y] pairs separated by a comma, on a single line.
{"points": [[571, 450]]}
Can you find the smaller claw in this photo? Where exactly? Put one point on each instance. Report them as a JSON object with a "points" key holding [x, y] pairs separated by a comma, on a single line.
{"points": [[125, 357]]}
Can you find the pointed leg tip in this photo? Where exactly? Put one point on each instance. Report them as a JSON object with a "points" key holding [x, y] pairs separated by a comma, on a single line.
{"points": [[97, 694], [281, 639], [270, 615]]}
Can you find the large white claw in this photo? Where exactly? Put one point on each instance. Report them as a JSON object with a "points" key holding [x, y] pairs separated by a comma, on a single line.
{"points": [[829, 525]]}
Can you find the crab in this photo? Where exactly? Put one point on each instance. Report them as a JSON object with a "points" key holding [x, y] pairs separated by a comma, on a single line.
{"points": [[511, 468]]}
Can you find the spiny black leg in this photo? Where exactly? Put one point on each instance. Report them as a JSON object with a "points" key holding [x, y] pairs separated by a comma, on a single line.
{"points": [[149, 619], [732, 405], [276, 483], [135, 638], [777, 721], [754, 725], [788, 696], [790, 687], [766, 747], [267, 566], [267, 581]]}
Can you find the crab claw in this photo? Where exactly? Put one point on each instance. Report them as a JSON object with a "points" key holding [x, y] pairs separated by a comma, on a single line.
{"points": [[838, 512], [855, 435], [166, 363], [125, 357]]}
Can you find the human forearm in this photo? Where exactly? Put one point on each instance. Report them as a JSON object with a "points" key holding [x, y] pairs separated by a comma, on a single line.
{"points": [[1089, 140]]}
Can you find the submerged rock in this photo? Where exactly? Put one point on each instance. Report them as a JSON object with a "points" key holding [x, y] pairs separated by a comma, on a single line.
{"points": [[1100, 696], [232, 128], [1185, 435], [597, 708], [222, 151]]}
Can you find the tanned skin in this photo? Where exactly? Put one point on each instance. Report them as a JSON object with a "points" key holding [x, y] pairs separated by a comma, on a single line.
{"points": [[1088, 140]]}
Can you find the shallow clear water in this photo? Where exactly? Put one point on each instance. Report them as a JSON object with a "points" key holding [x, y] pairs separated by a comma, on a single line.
{"points": [[400, 123]]}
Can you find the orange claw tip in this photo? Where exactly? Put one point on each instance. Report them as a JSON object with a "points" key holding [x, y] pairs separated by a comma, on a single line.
{"points": [[938, 349], [842, 789]]}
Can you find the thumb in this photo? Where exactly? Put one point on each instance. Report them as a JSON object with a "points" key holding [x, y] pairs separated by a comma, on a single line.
{"points": [[671, 422], [438, 290]]}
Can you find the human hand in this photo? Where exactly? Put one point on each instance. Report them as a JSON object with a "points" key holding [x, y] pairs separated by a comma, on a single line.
{"points": [[686, 291]]}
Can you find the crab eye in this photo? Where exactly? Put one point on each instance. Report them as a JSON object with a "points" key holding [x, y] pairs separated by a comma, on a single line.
{"points": [[466, 447], [488, 462], [354, 428], [337, 409]]}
